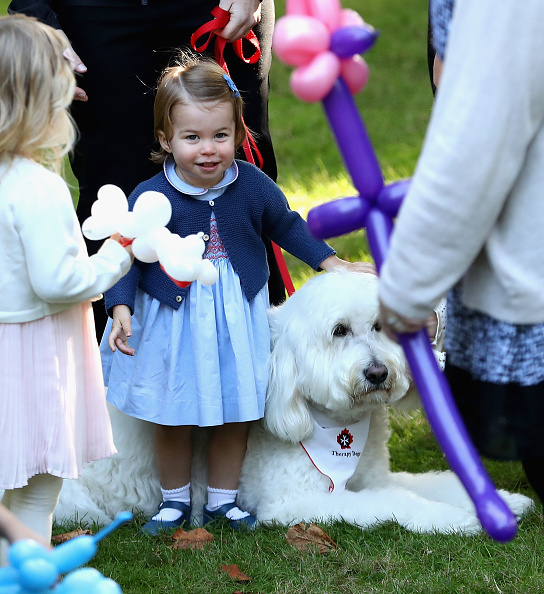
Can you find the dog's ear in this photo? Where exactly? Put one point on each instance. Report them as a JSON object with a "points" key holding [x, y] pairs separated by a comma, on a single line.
{"points": [[286, 412]]}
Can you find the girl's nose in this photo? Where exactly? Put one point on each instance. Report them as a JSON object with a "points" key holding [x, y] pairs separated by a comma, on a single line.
{"points": [[207, 147]]}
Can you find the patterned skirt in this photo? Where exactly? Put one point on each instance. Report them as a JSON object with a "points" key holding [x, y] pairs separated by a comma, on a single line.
{"points": [[496, 372]]}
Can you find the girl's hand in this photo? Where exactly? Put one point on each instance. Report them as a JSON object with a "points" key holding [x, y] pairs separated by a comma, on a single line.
{"points": [[121, 330], [244, 15], [334, 262], [127, 244]]}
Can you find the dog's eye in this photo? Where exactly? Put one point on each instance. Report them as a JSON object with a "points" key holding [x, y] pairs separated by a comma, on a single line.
{"points": [[340, 330], [377, 327]]}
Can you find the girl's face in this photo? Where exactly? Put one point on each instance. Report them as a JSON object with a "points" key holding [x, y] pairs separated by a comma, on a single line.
{"points": [[202, 142]]}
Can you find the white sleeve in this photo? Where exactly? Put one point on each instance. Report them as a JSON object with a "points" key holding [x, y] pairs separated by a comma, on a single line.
{"points": [[487, 111], [56, 257]]}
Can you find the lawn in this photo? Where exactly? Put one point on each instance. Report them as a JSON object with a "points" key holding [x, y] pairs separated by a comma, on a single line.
{"points": [[395, 106]]}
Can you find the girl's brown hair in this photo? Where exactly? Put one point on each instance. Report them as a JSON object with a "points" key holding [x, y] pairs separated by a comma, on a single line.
{"points": [[36, 87], [193, 80]]}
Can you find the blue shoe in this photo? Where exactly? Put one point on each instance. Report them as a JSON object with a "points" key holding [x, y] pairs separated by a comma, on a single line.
{"points": [[154, 527], [247, 522]]}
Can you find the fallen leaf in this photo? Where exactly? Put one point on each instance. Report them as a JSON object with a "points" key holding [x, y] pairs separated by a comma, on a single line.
{"points": [[235, 574], [60, 538], [304, 539], [194, 539]]}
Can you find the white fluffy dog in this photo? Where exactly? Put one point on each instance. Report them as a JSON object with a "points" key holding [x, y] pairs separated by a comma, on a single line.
{"points": [[321, 453]]}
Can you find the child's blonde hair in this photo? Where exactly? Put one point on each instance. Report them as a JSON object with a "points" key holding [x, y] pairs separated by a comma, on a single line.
{"points": [[36, 87], [193, 80]]}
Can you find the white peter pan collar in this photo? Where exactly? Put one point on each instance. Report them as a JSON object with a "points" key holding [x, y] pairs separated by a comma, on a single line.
{"points": [[230, 175]]}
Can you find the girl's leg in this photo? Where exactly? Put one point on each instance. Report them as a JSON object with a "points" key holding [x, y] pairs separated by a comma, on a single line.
{"points": [[173, 454], [225, 458], [34, 504]]}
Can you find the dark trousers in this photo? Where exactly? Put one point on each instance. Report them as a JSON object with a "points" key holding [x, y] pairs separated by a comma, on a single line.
{"points": [[125, 48]]}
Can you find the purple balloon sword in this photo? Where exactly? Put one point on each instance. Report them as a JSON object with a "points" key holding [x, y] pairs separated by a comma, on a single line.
{"points": [[374, 208]]}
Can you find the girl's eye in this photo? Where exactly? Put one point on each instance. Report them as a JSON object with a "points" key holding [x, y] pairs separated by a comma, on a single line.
{"points": [[340, 330], [191, 137], [377, 327], [221, 135]]}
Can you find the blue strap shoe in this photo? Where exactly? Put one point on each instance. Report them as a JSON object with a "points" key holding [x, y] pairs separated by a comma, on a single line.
{"points": [[154, 527], [246, 522]]}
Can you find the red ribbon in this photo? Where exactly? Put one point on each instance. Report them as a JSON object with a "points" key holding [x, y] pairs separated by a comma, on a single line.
{"points": [[220, 20]]}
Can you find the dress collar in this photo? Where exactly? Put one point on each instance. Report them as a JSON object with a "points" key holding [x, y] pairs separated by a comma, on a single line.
{"points": [[230, 175]]}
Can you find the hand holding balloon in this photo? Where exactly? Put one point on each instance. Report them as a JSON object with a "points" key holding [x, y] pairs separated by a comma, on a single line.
{"points": [[180, 258], [321, 41], [35, 569]]}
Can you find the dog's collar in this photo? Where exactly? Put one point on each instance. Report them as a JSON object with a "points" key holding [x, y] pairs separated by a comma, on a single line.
{"points": [[335, 451]]}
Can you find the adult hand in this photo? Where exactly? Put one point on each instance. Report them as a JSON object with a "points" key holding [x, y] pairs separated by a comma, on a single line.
{"points": [[244, 15], [121, 330], [393, 323], [77, 66]]}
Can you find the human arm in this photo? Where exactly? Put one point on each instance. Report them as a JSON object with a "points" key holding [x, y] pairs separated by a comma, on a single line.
{"points": [[55, 257], [244, 15], [13, 529], [486, 115]]}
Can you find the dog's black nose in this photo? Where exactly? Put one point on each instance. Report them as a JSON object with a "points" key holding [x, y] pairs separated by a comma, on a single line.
{"points": [[376, 374]]}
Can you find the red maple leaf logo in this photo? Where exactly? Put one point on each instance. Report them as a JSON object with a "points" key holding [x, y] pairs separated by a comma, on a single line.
{"points": [[345, 439]]}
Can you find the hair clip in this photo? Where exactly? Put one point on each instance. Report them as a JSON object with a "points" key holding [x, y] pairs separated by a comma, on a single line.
{"points": [[232, 86]]}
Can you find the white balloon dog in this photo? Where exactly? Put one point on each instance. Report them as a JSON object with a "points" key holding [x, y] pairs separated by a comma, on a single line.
{"points": [[180, 257]]}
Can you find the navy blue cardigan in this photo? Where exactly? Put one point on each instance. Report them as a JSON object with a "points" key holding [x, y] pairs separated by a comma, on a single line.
{"points": [[250, 206]]}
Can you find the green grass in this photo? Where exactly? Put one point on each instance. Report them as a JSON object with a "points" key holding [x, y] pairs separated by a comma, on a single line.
{"points": [[395, 107]]}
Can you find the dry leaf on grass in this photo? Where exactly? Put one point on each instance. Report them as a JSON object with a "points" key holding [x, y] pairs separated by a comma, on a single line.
{"points": [[60, 538], [304, 539], [235, 574], [194, 539]]}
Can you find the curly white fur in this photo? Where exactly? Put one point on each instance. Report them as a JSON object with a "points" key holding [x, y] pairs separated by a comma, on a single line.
{"points": [[327, 353]]}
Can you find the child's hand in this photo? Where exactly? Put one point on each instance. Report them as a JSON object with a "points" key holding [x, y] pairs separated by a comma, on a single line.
{"points": [[334, 262], [13, 529], [121, 330], [127, 244]]}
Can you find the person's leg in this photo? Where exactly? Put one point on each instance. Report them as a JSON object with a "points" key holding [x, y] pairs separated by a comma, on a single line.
{"points": [[226, 455], [35, 503], [534, 471], [173, 455]]}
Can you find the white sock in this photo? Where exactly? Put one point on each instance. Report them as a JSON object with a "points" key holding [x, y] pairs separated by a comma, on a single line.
{"points": [[218, 497], [183, 494]]}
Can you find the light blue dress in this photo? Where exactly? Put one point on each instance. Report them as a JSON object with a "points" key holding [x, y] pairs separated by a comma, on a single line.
{"points": [[203, 364]]}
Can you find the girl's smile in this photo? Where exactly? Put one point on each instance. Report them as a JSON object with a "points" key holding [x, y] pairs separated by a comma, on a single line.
{"points": [[202, 142]]}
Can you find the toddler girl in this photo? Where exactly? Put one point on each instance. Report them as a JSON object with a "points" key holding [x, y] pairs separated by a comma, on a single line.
{"points": [[200, 353], [53, 417]]}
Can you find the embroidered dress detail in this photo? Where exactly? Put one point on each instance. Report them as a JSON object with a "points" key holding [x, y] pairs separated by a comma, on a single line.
{"points": [[335, 451], [215, 250]]}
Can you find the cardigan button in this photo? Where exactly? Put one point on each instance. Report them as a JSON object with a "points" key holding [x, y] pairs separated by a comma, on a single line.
{"points": [[205, 237], [179, 298], [211, 203]]}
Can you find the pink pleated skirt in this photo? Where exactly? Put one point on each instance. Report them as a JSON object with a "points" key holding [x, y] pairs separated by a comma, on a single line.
{"points": [[53, 415]]}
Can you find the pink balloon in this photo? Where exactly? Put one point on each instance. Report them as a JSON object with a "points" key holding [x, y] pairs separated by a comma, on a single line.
{"points": [[297, 7], [351, 18], [355, 72], [297, 39], [327, 11], [313, 82]]}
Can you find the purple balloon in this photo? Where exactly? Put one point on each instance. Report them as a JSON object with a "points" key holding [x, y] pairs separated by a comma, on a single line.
{"points": [[349, 41], [377, 205]]}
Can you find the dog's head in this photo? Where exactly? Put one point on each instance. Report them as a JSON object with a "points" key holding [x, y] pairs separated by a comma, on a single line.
{"points": [[328, 351]]}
